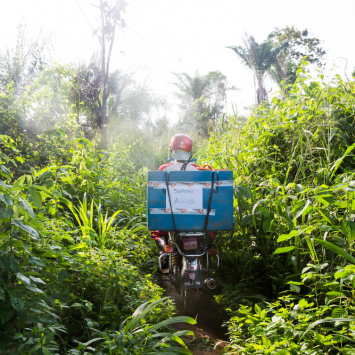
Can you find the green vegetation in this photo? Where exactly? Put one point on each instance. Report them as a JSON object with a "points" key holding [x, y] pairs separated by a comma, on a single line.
{"points": [[71, 275], [287, 270], [77, 264]]}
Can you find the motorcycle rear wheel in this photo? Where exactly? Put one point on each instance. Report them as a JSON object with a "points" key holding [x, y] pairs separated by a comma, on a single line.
{"points": [[189, 299]]}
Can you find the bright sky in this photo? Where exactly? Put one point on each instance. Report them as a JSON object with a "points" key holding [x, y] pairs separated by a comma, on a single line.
{"points": [[166, 36]]}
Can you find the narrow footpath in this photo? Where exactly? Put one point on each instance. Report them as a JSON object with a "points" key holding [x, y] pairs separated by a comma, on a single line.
{"points": [[208, 330]]}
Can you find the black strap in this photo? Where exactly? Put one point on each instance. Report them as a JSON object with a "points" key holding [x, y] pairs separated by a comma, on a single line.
{"points": [[185, 164], [209, 205], [171, 208]]}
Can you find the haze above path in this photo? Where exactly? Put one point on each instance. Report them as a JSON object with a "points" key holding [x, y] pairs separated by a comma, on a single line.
{"points": [[166, 36]]}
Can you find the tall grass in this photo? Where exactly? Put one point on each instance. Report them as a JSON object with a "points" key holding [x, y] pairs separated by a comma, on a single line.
{"points": [[293, 166]]}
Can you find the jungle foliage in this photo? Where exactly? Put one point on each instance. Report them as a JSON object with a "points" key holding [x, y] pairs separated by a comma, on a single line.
{"points": [[72, 271], [288, 270], [77, 264]]}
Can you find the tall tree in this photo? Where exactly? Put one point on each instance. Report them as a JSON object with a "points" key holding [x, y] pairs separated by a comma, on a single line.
{"points": [[128, 104], [259, 58], [299, 46], [111, 19], [202, 98]]}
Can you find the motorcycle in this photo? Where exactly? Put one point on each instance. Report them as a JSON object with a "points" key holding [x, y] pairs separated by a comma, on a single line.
{"points": [[189, 257]]}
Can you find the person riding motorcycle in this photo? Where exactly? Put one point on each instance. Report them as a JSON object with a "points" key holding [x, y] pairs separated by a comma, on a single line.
{"points": [[180, 147]]}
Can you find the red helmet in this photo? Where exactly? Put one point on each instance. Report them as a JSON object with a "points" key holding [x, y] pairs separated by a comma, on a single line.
{"points": [[181, 141]]}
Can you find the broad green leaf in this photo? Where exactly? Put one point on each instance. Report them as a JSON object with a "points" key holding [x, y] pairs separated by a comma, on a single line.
{"points": [[33, 173], [17, 303], [36, 347], [257, 309], [348, 229], [41, 188], [92, 341], [326, 320], [300, 210], [284, 237], [36, 197], [26, 206], [303, 303], [178, 333], [25, 227], [138, 229], [24, 279], [89, 306], [2, 294], [6, 198], [34, 289], [295, 288], [19, 182], [145, 308], [36, 261], [334, 293], [49, 254], [181, 319], [6, 212], [20, 159], [175, 336], [77, 305], [338, 312], [299, 188], [263, 314], [18, 336], [6, 315], [336, 165], [5, 170], [336, 249], [37, 279], [283, 250]]}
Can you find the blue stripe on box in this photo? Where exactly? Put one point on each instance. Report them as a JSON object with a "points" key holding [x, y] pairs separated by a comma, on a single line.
{"points": [[222, 202]]}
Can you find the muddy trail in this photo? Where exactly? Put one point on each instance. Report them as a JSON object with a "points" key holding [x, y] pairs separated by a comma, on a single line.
{"points": [[208, 330]]}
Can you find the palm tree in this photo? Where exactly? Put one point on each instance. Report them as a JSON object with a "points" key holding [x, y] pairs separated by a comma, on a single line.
{"points": [[259, 58], [201, 98]]}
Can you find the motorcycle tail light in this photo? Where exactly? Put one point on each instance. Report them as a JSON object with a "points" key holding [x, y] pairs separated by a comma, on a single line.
{"points": [[189, 243], [169, 248]]}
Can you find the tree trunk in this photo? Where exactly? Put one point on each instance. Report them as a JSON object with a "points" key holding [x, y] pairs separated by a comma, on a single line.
{"points": [[261, 92], [103, 113]]}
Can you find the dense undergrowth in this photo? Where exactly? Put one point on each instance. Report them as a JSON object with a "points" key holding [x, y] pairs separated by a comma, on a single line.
{"points": [[76, 259], [74, 263], [288, 270]]}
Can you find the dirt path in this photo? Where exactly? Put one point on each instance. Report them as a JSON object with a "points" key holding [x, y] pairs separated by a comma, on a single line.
{"points": [[209, 324]]}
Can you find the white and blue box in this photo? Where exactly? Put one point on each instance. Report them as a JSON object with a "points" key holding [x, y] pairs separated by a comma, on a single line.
{"points": [[189, 199]]}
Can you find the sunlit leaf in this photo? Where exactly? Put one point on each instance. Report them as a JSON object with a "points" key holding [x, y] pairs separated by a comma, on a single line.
{"points": [[6, 198], [28, 229], [335, 249], [348, 228], [284, 237], [36, 197], [284, 250], [326, 320]]}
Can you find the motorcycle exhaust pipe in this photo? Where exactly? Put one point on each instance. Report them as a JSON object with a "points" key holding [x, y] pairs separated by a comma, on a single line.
{"points": [[211, 284]]}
